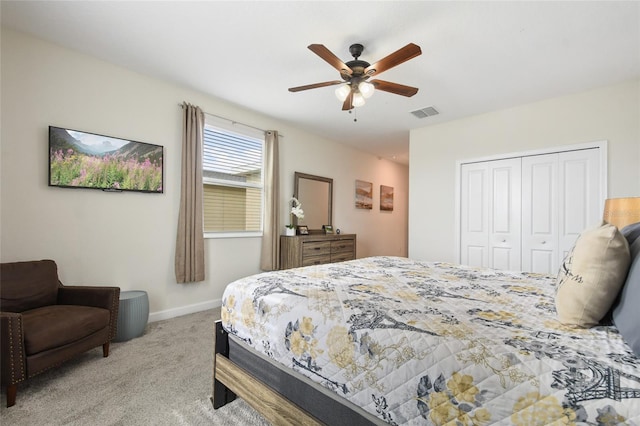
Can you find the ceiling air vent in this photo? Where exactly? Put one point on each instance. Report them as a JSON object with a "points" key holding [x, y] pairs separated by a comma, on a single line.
{"points": [[425, 112]]}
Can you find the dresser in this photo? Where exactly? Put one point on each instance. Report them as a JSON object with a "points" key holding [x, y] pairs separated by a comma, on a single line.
{"points": [[315, 249]]}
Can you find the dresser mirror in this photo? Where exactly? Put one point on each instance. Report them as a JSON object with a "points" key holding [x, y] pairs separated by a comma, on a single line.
{"points": [[315, 193]]}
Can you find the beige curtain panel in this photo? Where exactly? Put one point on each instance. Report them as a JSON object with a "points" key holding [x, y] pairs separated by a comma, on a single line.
{"points": [[270, 254], [190, 240]]}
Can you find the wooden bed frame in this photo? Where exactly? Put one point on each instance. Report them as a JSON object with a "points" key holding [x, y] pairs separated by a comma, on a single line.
{"points": [[230, 380]]}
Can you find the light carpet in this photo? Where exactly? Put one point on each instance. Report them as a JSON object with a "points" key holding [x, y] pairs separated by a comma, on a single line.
{"points": [[163, 377]]}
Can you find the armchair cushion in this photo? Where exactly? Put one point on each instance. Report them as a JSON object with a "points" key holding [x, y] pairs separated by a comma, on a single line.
{"points": [[57, 325], [28, 285]]}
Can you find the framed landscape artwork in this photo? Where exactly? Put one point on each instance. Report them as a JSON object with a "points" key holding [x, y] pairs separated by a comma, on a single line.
{"points": [[364, 195], [386, 198]]}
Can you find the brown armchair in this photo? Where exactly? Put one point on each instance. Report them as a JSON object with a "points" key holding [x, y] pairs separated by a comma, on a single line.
{"points": [[44, 323]]}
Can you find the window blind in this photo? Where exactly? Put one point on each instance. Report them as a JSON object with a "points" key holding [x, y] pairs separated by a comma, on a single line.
{"points": [[232, 181]]}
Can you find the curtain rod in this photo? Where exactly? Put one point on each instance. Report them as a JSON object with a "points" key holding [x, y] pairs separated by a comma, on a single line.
{"points": [[233, 122]]}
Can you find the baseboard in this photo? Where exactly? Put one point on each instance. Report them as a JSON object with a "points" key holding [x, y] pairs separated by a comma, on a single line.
{"points": [[184, 310]]}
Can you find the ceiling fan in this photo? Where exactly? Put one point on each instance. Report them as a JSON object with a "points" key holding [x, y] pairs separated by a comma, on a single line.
{"points": [[355, 74]]}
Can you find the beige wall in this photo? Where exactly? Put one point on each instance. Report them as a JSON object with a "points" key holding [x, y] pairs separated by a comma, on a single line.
{"points": [[610, 113], [128, 239]]}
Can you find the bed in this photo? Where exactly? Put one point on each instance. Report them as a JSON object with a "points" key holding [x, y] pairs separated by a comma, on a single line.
{"points": [[390, 340]]}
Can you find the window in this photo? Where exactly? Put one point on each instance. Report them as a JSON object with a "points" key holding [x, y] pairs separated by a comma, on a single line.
{"points": [[232, 164]]}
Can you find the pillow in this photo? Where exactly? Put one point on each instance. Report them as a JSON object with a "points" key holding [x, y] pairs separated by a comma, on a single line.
{"points": [[626, 315], [591, 276], [634, 250], [631, 232]]}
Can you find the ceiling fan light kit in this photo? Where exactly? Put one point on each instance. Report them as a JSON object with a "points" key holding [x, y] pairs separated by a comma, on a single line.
{"points": [[354, 87], [364, 90]]}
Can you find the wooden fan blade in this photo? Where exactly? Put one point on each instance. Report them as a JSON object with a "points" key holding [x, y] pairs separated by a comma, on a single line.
{"points": [[348, 103], [330, 58], [315, 85], [398, 89], [410, 51]]}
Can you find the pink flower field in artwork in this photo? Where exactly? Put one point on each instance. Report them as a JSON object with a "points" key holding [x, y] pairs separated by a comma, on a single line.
{"points": [[74, 169]]}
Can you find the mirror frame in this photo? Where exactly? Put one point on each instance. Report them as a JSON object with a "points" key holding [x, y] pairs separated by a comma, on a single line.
{"points": [[297, 177]]}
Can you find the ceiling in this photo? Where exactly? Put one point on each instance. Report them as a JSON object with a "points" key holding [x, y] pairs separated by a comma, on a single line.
{"points": [[476, 56]]}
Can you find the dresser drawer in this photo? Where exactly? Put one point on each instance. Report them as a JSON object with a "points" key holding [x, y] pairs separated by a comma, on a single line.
{"points": [[316, 260], [316, 248], [341, 257], [342, 246]]}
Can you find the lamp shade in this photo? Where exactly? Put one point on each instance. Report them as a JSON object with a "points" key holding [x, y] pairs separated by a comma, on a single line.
{"points": [[622, 211], [366, 89], [358, 99], [342, 92]]}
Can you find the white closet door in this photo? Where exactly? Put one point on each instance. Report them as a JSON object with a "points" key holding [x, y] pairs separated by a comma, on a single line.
{"points": [[474, 208], [540, 214], [490, 214], [580, 195], [504, 214]]}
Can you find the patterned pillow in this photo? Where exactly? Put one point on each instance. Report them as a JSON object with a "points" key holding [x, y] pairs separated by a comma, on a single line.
{"points": [[591, 276], [626, 315]]}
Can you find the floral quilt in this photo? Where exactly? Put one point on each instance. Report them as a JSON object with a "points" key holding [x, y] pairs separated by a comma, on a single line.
{"points": [[435, 343]]}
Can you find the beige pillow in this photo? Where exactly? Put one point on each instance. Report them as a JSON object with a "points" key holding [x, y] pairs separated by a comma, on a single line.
{"points": [[591, 276]]}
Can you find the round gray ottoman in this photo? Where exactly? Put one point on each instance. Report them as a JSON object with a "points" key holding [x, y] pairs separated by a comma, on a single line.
{"points": [[133, 315]]}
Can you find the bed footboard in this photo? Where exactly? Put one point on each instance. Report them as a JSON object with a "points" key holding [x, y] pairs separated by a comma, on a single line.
{"points": [[230, 380]]}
